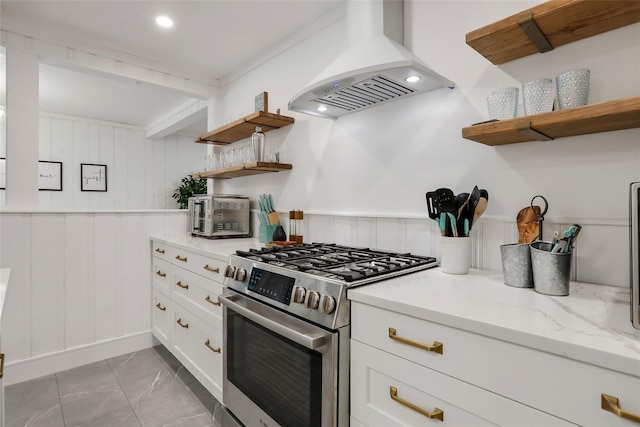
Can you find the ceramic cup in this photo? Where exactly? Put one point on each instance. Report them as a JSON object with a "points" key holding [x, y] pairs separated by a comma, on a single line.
{"points": [[455, 254], [573, 88], [503, 103], [538, 96]]}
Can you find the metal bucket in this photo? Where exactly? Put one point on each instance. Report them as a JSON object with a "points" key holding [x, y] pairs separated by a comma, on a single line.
{"points": [[551, 270], [516, 265]]}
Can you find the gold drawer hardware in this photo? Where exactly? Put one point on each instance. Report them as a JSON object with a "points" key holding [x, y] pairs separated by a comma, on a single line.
{"points": [[611, 404], [208, 344], [179, 283], [179, 258], [214, 270], [161, 307], [161, 274], [436, 414], [436, 347], [210, 301], [184, 325], [1, 365], [160, 251]]}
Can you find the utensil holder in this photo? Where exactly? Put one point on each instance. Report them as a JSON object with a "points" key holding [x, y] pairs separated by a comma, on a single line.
{"points": [[551, 270], [516, 265], [455, 254], [265, 232]]}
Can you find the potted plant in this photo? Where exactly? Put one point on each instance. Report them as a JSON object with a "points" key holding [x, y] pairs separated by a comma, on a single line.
{"points": [[188, 188]]}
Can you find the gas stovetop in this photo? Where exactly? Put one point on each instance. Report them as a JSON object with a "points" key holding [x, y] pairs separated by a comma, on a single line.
{"points": [[342, 263]]}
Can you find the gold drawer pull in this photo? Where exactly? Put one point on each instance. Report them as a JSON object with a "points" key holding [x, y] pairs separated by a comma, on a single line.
{"points": [[208, 344], [161, 274], [1, 365], [436, 347], [210, 301], [437, 414], [179, 283], [160, 251], [179, 258], [214, 270], [161, 307], [611, 404], [184, 325]]}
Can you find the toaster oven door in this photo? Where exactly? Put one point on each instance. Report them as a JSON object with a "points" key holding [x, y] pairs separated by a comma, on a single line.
{"points": [[200, 216], [634, 217]]}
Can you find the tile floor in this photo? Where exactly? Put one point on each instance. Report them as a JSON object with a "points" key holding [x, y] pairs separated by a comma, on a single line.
{"points": [[147, 388]]}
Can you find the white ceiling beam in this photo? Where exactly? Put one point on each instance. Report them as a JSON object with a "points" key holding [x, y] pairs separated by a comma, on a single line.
{"points": [[55, 54], [178, 119]]}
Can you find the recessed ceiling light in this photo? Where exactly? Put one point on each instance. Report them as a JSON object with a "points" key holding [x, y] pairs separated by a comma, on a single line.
{"points": [[322, 108], [164, 21], [412, 79]]}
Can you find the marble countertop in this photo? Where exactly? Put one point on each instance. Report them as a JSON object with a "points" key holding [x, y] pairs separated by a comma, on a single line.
{"points": [[591, 324], [218, 248]]}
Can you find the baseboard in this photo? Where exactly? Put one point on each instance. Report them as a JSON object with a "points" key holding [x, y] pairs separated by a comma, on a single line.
{"points": [[36, 367]]}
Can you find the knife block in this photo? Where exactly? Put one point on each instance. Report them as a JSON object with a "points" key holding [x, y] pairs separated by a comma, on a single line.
{"points": [[265, 232]]}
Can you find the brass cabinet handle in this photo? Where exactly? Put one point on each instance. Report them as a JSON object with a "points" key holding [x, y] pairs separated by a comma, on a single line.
{"points": [[179, 283], [210, 301], [436, 347], [161, 307], [161, 274], [160, 251], [1, 365], [179, 258], [184, 325], [214, 270], [436, 414], [208, 344], [611, 404]]}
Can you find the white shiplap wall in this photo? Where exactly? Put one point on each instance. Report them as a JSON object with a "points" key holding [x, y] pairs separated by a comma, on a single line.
{"points": [[141, 173], [80, 286]]}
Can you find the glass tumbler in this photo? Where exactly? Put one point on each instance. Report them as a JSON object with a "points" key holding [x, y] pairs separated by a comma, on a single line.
{"points": [[573, 88], [538, 96], [503, 103]]}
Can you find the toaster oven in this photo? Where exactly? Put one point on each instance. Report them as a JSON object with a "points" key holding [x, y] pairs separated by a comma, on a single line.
{"points": [[216, 216], [634, 239]]}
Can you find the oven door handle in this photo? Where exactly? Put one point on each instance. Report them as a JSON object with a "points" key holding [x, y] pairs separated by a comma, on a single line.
{"points": [[310, 341]]}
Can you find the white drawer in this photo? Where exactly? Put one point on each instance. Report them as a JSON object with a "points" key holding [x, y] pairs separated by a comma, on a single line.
{"points": [[159, 250], [209, 267], [162, 318], [161, 275], [198, 294], [375, 375], [199, 347], [557, 385]]}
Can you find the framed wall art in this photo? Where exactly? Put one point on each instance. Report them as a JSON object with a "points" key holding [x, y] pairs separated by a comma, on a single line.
{"points": [[93, 177], [49, 176]]}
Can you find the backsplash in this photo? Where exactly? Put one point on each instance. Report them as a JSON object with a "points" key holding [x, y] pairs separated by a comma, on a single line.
{"points": [[601, 254]]}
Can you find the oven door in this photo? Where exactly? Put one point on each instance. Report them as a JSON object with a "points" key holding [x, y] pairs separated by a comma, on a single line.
{"points": [[278, 370]]}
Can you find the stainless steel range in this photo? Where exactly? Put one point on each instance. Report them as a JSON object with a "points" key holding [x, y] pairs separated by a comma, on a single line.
{"points": [[286, 329]]}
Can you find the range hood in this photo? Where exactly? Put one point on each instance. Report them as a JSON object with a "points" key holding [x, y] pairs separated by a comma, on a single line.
{"points": [[375, 69]]}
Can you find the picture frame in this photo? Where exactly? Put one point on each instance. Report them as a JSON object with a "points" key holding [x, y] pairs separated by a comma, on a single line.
{"points": [[3, 173], [49, 175], [93, 177], [262, 102]]}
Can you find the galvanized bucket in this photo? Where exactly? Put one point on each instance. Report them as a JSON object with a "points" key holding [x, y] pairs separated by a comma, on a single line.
{"points": [[516, 265], [551, 270]]}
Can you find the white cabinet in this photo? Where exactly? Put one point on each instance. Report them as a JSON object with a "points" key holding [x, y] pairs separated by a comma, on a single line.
{"points": [[469, 375], [187, 317]]}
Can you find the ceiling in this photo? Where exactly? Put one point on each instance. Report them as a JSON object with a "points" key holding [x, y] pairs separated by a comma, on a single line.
{"points": [[211, 42]]}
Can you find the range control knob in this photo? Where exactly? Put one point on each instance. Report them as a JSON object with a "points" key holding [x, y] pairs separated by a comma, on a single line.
{"points": [[299, 294], [241, 274], [327, 304], [230, 271], [314, 300]]}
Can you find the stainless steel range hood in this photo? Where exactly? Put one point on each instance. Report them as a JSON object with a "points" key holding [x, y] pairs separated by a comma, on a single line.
{"points": [[373, 70]]}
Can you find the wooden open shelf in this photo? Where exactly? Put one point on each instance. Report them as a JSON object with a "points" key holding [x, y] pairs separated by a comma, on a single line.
{"points": [[559, 22], [244, 128], [593, 118], [244, 170]]}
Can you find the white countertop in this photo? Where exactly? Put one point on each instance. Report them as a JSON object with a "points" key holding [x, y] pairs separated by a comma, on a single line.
{"points": [[591, 324], [219, 248], [4, 282]]}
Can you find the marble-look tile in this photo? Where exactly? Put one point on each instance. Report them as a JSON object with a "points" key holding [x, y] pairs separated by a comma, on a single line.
{"points": [[93, 377], [198, 420], [198, 390], [102, 408], [33, 403], [168, 358]]}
